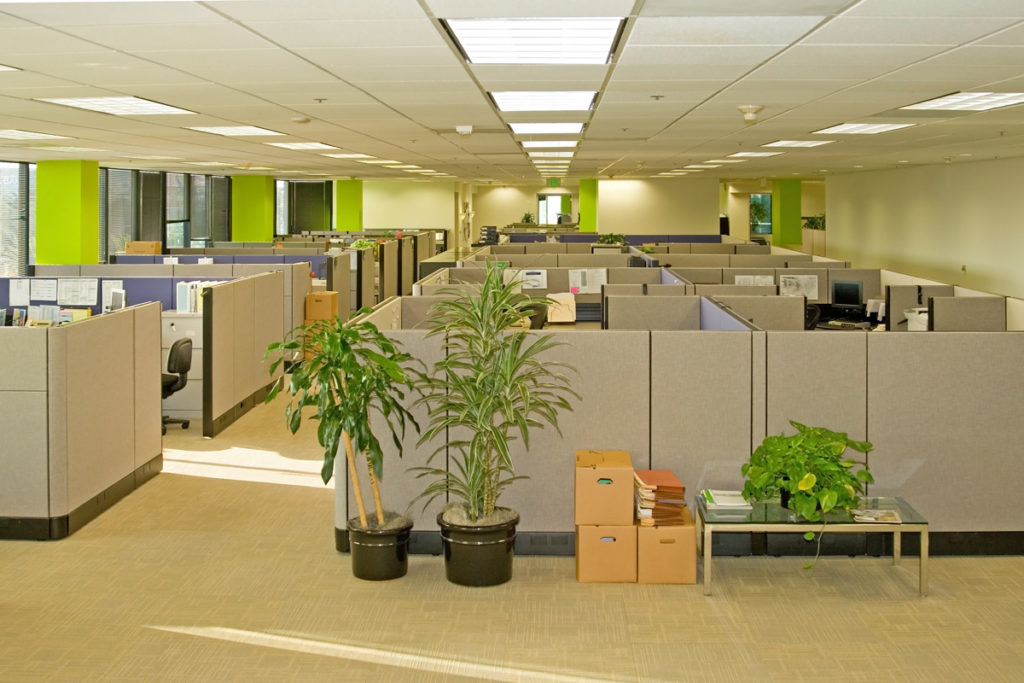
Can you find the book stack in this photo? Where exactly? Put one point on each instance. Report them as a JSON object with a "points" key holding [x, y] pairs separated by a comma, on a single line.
{"points": [[660, 498], [718, 500]]}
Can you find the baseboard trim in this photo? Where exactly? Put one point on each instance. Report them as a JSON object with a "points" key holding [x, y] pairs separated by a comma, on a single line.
{"points": [[55, 528]]}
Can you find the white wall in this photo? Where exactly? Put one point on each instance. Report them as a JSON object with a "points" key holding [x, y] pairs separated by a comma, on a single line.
{"points": [[930, 221], [671, 205], [398, 205], [812, 197], [500, 205]]}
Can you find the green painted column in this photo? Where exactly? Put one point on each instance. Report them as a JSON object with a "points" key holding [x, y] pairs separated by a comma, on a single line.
{"points": [[67, 212], [348, 205], [786, 223], [566, 207], [252, 208], [588, 205]]}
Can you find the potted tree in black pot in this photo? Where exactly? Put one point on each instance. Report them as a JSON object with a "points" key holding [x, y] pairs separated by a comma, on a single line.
{"points": [[492, 388], [351, 371]]}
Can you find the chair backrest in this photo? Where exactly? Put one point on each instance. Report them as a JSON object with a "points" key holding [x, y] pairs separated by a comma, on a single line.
{"points": [[179, 358], [812, 314]]}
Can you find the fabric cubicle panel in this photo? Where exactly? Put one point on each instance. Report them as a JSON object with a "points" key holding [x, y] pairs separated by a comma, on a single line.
{"points": [[759, 260], [388, 269], [818, 379], [944, 417], [967, 314], [399, 487], [712, 248], [406, 265], [542, 248], [735, 290], [701, 411], [592, 260], [132, 269], [766, 312], [870, 279], [623, 276], [91, 391], [729, 274], [243, 376], [503, 249], [23, 406], [612, 379], [652, 313], [148, 389], [698, 276], [268, 310], [366, 273], [57, 270]]}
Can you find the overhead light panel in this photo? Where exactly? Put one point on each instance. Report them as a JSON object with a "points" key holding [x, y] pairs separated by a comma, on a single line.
{"points": [[549, 144], [544, 100], [570, 40], [861, 128], [755, 154], [692, 167], [302, 145], [725, 161], [402, 167], [970, 101], [551, 155], [4, 67], [118, 106], [546, 128], [378, 161], [13, 134], [347, 155], [232, 131], [799, 143]]}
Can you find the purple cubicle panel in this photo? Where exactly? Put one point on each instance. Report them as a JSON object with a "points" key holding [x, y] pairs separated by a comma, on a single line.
{"points": [[139, 290], [136, 258], [518, 238], [258, 258], [318, 262], [578, 237]]}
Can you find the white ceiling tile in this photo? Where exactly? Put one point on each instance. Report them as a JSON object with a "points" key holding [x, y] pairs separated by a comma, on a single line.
{"points": [[850, 30], [680, 72], [938, 8], [843, 61], [240, 66], [485, 9], [398, 74], [113, 14], [143, 38], [754, 8], [747, 56], [277, 10], [1012, 36], [354, 59], [720, 31], [418, 32]]}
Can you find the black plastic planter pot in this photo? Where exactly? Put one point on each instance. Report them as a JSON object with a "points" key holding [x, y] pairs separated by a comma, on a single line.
{"points": [[379, 554], [478, 555]]}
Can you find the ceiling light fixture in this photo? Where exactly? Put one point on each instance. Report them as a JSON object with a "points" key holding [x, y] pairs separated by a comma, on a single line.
{"points": [[544, 100], [348, 156], [861, 128], [546, 128], [234, 130], [798, 143], [118, 106], [4, 67], [530, 144], [700, 166], [753, 155], [970, 101], [551, 155], [304, 145], [725, 161], [537, 41], [750, 112], [378, 161]]}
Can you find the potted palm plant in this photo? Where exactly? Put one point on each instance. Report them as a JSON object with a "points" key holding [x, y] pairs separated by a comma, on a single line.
{"points": [[492, 387], [351, 371]]}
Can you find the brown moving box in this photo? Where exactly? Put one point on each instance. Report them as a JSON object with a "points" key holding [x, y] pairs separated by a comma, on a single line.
{"points": [[143, 248], [321, 305], [604, 488], [667, 554], [606, 554]]}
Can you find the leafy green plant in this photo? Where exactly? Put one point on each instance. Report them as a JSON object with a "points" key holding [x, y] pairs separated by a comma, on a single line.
{"points": [[492, 387], [363, 244], [815, 222], [611, 238], [758, 214], [351, 370], [811, 466], [647, 249], [527, 217]]}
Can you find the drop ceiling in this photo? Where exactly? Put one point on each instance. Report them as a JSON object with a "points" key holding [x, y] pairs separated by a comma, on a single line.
{"points": [[384, 78]]}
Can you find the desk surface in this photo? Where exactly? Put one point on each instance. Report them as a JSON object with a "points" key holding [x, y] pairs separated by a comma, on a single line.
{"points": [[772, 513]]}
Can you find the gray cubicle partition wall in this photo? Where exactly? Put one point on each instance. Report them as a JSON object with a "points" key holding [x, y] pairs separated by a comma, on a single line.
{"points": [[506, 249], [366, 278], [870, 279], [819, 292], [697, 276], [967, 314], [544, 248], [730, 274], [765, 260], [80, 414], [297, 284], [240, 319], [407, 265], [766, 312], [736, 290], [652, 313], [752, 248], [388, 271], [712, 248], [944, 417]]}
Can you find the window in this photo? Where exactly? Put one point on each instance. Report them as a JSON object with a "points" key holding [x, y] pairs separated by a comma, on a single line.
{"points": [[200, 210], [280, 207], [118, 213], [220, 208], [761, 214], [177, 200], [309, 203], [151, 206], [14, 218]]}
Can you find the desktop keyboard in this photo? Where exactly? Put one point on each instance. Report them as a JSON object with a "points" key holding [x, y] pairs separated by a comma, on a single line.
{"points": [[844, 325]]}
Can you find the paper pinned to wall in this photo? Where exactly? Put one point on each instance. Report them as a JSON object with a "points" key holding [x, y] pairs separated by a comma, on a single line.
{"points": [[531, 278], [587, 280], [749, 280], [799, 285], [19, 291], [109, 285], [43, 289], [75, 291]]}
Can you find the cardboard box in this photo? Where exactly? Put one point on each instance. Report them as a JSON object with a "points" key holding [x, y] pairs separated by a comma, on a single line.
{"points": [[667, 554], [606, 554], [604, 488], [143, 248], [563, 307], [321, 305]]}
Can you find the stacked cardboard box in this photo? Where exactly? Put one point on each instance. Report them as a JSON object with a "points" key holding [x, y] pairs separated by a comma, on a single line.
{"points": [[611, 545], [319, 306]]}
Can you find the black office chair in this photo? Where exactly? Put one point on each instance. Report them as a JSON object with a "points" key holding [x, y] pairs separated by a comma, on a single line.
{"points": [[812, 314], [179, 362]]}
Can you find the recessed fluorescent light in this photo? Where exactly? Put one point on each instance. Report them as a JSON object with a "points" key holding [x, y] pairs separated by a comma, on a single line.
{"points": [[403, 167], [255, 168], [378, 161], [700, 166], [118, 106], [861, 128], [544, 100], [551, 155], [234, 130], [970, 101], [348, 156], [798, 143], [546, 128], [301, 145], [756, 154], [725, 161], [4, 67], [12, 134], [537, 41], [541, 144]]}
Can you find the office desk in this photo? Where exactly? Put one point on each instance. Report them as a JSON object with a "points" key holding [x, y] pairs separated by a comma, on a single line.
{"points": [[771, 517]]}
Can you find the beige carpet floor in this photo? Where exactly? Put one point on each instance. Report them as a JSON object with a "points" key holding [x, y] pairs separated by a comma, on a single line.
{"points": [[223, 568]]}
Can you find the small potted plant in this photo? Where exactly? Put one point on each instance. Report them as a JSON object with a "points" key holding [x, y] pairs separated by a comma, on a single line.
{"points": [[527, 217], [492, 387], [351, 371], [810, 471]]}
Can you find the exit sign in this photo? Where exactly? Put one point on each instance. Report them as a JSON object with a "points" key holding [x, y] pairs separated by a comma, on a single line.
{"points": [[553, 182]]}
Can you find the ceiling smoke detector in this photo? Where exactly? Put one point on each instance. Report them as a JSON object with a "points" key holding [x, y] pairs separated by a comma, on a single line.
{"points": [[464, 130], [750, 112]]}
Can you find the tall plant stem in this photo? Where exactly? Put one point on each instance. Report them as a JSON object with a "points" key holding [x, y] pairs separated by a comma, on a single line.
{"points": [[375, 488], [351, 458]]}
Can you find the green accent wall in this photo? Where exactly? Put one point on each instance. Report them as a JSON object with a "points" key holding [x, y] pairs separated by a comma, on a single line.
{"points": [[348, 205], [566, 204], [588, 205], [67, 212], [786, 221], [252, 208]]}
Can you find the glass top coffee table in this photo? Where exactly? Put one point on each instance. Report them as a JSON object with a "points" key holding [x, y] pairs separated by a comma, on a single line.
{"points": [[771, 517]]}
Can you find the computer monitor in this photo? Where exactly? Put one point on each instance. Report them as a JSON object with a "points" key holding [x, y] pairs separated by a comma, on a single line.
{"points": [[118, 300], [847, 295]]}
